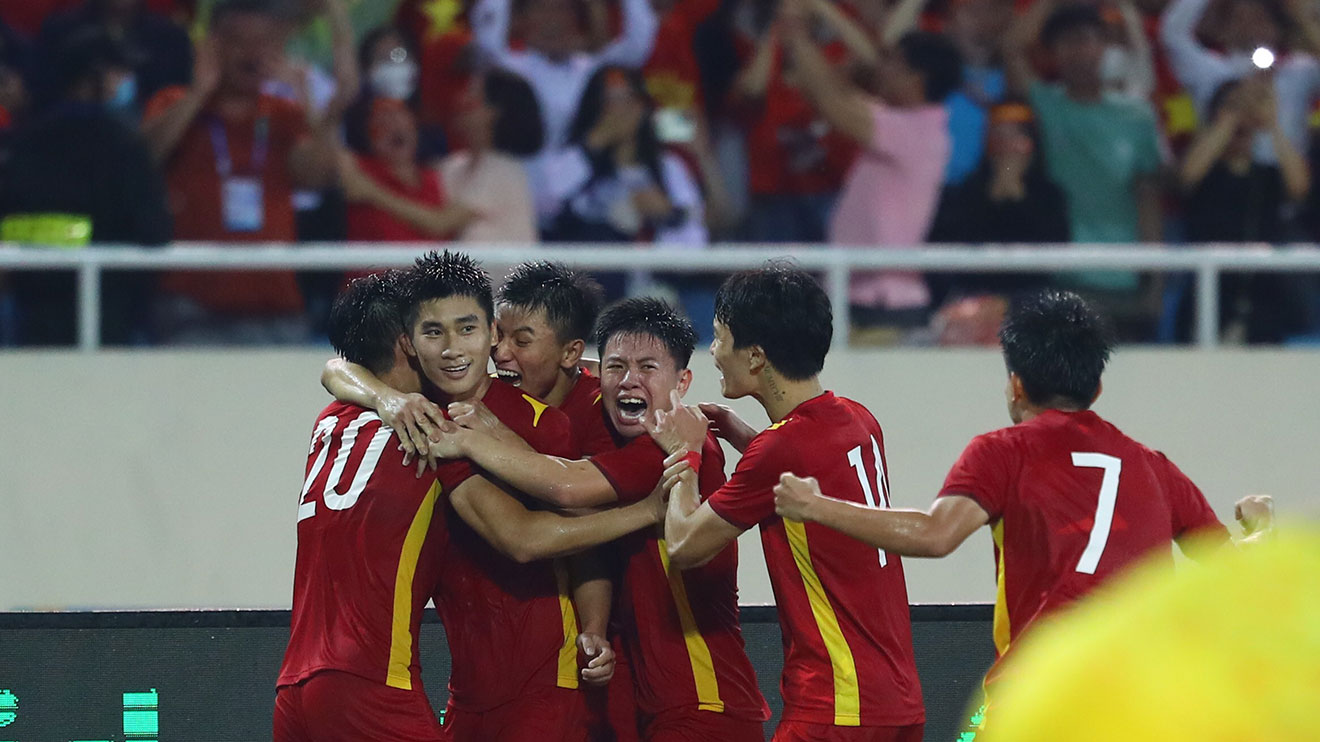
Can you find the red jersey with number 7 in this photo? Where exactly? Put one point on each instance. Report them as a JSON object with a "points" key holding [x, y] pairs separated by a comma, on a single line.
{"points": [[370, 537], [510, 626], [842, 605], [1072, 501]]}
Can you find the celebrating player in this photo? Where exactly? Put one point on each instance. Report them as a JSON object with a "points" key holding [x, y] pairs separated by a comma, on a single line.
{"points": [[371, 543], [849, 672], [1070, 499], [693, 678]]}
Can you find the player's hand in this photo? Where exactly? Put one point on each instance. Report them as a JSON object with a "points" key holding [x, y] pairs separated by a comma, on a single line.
{"points": [[680, 428], [477, 416], [1255, 513], [676, 468], [726, 423], [413, 418], [446, 442], [795, 496], [658, 501], [600, 666]]}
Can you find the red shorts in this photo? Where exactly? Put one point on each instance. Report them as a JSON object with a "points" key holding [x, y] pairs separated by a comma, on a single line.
{"points": [[691, 725], [801, 731], [551, 715], [331, 706], [612, 710]]}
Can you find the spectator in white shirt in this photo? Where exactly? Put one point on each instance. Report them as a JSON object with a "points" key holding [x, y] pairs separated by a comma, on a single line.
{"points": [[1249, 26]]}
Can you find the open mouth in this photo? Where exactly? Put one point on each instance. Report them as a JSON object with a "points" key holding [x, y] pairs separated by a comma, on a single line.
{"points": [[508, 375], [456, 371], [632, 408]]}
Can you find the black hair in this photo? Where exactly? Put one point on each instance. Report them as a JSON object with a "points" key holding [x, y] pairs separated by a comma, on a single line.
{"points": [[938, 61], [440, 275], [1058, 345], [86, 54], [224, 10], [645, 315], [592, 106], [366, 320], [518, 130], [570, 299], [1070, 18], [781, 308]]}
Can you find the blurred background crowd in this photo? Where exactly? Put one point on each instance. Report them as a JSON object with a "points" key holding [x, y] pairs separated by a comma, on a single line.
{"points": [[859, 123]]}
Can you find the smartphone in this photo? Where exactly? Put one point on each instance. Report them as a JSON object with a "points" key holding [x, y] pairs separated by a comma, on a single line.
{"points": [[675, 126]]}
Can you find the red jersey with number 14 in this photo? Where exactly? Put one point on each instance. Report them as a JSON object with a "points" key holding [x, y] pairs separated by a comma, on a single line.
{"points": [[1071, 500], [370, 535], [510, 626], [842, 605]]}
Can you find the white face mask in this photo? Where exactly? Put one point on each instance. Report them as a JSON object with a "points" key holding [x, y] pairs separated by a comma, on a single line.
{"points": [[1115, 65], [396, 80]]}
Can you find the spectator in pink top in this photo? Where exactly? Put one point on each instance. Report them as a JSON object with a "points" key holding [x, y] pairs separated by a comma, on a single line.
{"points": [[890, 195]]}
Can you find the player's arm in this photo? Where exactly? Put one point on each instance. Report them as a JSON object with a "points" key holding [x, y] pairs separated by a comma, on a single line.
{"points": [[592, 592], [934, 533], [561, 482], [412, 416], [694, 533], [838, 102], [726, 424], [477, 416], [526, 535]]}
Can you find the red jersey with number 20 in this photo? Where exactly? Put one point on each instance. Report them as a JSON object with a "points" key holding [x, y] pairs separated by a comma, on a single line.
{"points": [[370, 535], [510, 626], [843, 605], [1071, 500]]}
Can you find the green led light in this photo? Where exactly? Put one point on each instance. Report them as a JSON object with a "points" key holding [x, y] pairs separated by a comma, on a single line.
{"points": [[142, 716], [8, 707]]}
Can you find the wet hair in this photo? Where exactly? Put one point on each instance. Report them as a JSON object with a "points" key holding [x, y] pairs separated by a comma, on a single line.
{"points": [[1058, 345], [781, 308], [518, 130], [648, 316], [570, 299], [366, 320], [440, 275], [1070, 18], [938, 61]]}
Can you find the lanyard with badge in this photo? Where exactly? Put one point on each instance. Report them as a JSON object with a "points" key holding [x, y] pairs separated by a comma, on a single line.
{"points": [[241, 197]]}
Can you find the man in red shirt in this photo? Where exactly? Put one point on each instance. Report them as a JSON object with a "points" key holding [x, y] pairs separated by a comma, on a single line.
{"points": [[371, 545], [1070, 499], [849, 671], [232, 157], [693, 679]]}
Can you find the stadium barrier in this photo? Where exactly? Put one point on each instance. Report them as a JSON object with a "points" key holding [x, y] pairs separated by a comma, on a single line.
{"points": [[209, 676], [1206, 262]]}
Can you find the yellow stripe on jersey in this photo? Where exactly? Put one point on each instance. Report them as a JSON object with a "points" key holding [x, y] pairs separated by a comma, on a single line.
{"points": [[568, 660], [538, 408], [703, 665], [847, 695], [401, 649], [1002, 632]]}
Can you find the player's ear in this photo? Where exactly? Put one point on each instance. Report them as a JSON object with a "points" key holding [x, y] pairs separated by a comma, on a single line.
{"points": [[406, 344], [572, 353], [756, 359], [684, 381], [1017, 392]]}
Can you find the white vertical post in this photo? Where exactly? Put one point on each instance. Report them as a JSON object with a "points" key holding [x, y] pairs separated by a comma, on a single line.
{"points": [[1207, 304], [837, 278], [89, 305]]}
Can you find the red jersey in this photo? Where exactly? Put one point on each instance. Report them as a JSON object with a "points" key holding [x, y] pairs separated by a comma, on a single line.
{"points": [[682, 632], [510, 626], [591, 429], [1071, 500], [369, 543], [367, 223], [842, 605]]}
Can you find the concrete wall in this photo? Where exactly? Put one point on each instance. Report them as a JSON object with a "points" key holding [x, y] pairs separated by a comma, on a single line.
{"points": [[170, 479]]}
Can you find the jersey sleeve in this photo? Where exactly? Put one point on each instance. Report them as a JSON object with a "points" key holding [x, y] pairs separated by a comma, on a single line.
{"points": [[452, 473], [748, 497], [1191, 512], [592, 432], [984, 473], [553, 435], [634, 470], [162, 100]]}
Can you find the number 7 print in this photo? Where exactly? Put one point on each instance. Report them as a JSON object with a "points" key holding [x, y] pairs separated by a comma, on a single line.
{"points": [[1104, 508]]}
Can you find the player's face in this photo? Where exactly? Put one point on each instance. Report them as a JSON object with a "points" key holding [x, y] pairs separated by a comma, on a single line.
{"points": [[637, 374], [528, 354], [451, 342], [735, 378]]}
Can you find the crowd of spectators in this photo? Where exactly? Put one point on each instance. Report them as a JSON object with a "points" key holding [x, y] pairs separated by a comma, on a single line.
{"points": [[861, 123]]}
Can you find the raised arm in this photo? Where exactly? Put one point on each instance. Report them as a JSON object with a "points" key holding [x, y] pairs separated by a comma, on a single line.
{"points": [[754, 78], [528, 535], [633, 47], [163, 130], [561, 482], [1301, 13], [838, 102], [1018, 41], [1210, 143], [934, 533], [859, 43], [900, 20], [1141, 81], [490, 29], [1194, 65], [344, 61]]}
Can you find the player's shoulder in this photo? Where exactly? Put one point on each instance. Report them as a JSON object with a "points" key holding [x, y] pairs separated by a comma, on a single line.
{"points": [[517, 408], [342, 411]]}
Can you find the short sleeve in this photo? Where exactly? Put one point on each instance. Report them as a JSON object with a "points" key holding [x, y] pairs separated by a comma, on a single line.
{"points": [[162, 100], [592, 433], [984, 473], [552, 435], [452, 473], [634, 470], [1191, 512], [1044, 99], [748, 497]]}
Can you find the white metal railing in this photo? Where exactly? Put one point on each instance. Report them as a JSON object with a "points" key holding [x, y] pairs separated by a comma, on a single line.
{"points": [[1207, 262]]}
